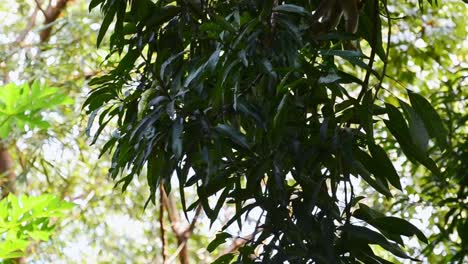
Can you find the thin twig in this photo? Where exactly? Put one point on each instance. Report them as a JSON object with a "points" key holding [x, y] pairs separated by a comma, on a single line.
{"points": [[176, 253], [29, 26], [39, 6], [171, 212], [52, 13], [161, 224], [387, 51], [190, 229], [373, 43], [240, 241]]}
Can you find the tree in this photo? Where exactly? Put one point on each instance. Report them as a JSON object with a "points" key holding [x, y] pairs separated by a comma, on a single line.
{"points": [[58, 160], [427, 57], [245, 102]]}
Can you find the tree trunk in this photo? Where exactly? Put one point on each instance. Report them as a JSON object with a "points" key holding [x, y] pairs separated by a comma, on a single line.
{"points": [[8, 176]]}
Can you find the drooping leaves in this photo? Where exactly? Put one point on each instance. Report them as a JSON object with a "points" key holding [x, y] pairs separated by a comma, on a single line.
{"points": [[429, 117], [245, 105]]}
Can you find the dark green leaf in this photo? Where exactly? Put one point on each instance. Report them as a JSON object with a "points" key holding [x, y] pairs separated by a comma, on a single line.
{"points": [[346, 54], [372, 237], [366, 175], [418, 132], [398, 127], [279, 110], [289, 8], [232, 134], [400, 226], [177, 129], [94, 3], [168, 62], [108, 18], [429, 116], [219, 239], [384, 166]]}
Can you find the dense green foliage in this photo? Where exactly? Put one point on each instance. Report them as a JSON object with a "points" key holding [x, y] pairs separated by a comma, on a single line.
{"points": [[58, 160], [243, 101]]}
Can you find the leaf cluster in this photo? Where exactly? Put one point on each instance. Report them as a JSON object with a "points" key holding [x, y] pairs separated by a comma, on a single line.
{"points": [[25, 219], [240, 100], [21, 106]]}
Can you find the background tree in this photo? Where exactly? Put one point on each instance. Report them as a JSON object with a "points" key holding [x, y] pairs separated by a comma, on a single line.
{"points": [[423, 58]]}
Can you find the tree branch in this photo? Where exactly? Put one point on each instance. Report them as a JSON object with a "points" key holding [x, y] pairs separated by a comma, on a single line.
{"points": [[29, 26], [39, 6], [189, 230], [182, 234], [161, 224], [373, 43], [241, 241], [51, 15], [387, 51], [171, 212]]}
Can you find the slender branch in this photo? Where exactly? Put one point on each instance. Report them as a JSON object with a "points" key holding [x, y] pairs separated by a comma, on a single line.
{"points": [[185, 235], [190, 229], [7, 170], [240, 241], [161, 224], [176, 253], [171, 212], [182, 234], [173, 207], [29, 26], [387, 51], [52, 13], [373, 43], [39, 6]]}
